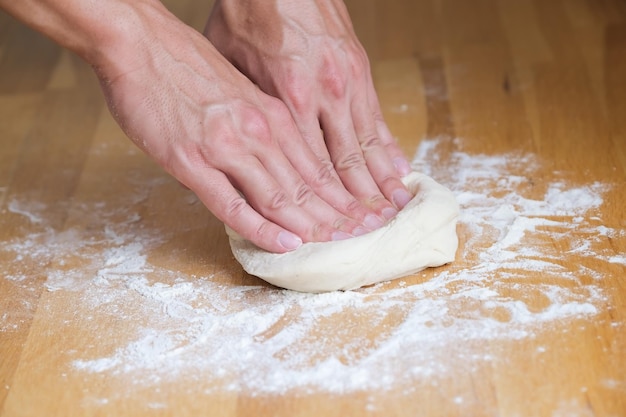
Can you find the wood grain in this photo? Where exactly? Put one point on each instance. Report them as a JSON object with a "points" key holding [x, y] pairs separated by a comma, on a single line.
{"points": [[484, 78]]}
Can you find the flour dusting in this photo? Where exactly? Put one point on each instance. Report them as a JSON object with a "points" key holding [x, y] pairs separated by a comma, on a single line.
{"points": [[522, 268]]}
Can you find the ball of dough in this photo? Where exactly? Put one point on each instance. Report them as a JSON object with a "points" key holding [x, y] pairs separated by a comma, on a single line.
{"points": [[423, 234]]}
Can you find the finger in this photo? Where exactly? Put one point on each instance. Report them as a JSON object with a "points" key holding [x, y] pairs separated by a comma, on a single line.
{"points": [[304, 114], [310, 130], [375, 154], [292, 206], [309, 127], [309, 155], [324, 182], [287, 178], [394, 151], [305, 197], [350, 164], [220, 197]]}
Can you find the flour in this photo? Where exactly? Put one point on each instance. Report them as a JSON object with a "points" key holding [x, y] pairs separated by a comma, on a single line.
{"points": [[264, 341], [31, 213]]}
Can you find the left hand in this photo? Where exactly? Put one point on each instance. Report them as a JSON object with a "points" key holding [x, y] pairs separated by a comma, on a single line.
{"points": [[306, 53]]}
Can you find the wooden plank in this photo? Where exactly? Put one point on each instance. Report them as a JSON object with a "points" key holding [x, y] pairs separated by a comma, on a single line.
{"points": [[476, 50], [400, 87], [49, 131], [26, 61]]}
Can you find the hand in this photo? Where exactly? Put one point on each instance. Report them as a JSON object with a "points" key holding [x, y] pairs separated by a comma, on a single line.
{"points": [[305, 52], [180, 101]]}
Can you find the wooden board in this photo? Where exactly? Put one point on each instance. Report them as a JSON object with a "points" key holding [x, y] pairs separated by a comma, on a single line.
{"points": [[119, 295]]}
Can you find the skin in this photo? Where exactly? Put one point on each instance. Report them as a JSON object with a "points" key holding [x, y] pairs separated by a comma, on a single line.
{"points": [[307, 54], [237, 116]]}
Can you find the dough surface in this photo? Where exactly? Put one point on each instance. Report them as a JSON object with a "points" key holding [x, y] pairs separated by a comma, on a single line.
{"points": [[422, 235]]}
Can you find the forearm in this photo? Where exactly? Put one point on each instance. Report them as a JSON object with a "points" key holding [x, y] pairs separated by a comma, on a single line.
{"points": [[103, 33]]}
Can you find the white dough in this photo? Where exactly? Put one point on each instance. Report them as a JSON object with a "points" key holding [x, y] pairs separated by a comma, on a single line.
{"points": [[422, 235]]}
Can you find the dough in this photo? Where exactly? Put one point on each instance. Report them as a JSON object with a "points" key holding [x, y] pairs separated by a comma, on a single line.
{"points": [[422, 235]]}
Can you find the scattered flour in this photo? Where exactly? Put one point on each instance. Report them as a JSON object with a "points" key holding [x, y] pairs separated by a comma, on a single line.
{"points": [[509, 282], [31, 212]]}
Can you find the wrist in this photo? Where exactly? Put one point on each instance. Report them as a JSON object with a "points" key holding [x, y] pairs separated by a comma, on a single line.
{"points": [[120, 43], [108, 35]]}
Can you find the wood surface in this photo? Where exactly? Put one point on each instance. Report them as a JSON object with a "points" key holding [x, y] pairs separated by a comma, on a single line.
{"points": [[489, 77]]}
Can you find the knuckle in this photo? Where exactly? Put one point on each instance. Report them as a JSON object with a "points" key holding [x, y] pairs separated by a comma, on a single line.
{"points": [[390, 182], [263, 230], [359, 64], [278, 111], [378, 115], [235, 207], [299, 100], [392, 148], [255, 124], [320, 232], [370, 141], [377, 201], [279, 200], [350, 161], [298, 95], [303, 194], [323, 176], [333, 79], [335, 85], [353, 206], [345, 224]]}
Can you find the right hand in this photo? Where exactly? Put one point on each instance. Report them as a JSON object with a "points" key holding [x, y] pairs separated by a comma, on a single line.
{"points": [[237, 148], [306, 53]]}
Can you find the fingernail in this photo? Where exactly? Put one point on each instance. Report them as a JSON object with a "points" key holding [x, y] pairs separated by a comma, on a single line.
{"points": [[289, 241], [402, 165], [389, 213], [360, 231], [339, 235], [373, 222], [401, 198]]}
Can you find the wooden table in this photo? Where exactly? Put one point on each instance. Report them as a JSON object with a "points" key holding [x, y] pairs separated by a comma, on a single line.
{"points": [[119, 295]]}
